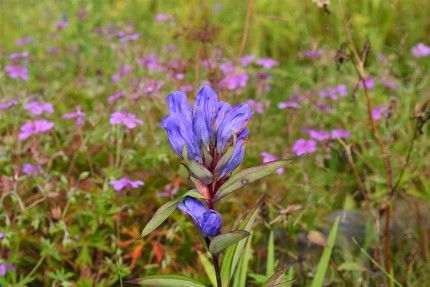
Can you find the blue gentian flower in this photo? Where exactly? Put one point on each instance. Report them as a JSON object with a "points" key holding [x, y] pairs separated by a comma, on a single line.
{"points": [[208, 129], [207, 220]]}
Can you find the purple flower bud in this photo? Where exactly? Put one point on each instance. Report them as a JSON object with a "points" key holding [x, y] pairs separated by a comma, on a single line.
{"points": [[7, 104], [288, 105], [31, 169], [319, 135], [207, 220], [77, 115], [246, 60], [313, 54], [234, 81], [379, 112], [340, 133], [24, 41]]}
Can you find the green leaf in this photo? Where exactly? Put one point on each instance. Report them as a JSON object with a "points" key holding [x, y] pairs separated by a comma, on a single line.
{"points": [[247, 176], [168, 281], [234, 252], [222, 241], [199, 171], [164, 211], [242, 272], [318, 280], [208, 267], [270, 263]]}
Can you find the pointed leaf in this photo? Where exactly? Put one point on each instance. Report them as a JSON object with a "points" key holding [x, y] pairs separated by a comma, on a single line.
{"points": [[318, 280], [270, 263], [168, 281], [164, 211], [234, 252], [242, 269], [222, 241], [247, 176], [198, 171], [208, 267]]}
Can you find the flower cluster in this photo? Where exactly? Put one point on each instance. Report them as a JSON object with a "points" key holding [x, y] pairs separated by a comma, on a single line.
{"points": [[127, 119], [34, 127], [211, 136]]}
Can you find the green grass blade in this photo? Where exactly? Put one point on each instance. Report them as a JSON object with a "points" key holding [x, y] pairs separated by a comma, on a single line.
{"points": [[318, 280], [208, 267], [270, 263]]}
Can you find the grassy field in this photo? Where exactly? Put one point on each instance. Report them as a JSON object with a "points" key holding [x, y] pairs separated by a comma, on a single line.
{"points": [[343, 89]]}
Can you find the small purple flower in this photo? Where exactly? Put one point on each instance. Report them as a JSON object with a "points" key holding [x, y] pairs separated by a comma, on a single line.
{"points": [[24, 41], [379, 112], [208, 221], [340, 133], [246, 60], [118, 95], [369, 83], [313, 54], [267, 157], [77, 115], [129, 37], [389, 83], [7, 104], [420, 50], [1, 235], [18, 55], [288, 105], [151, 62], [186, 88], [125, 182], [303, 146], [34, 127], [323, 107], [267, 63], [319, 135], [37, 108], [341, 90], [17, 72], [122, 71], [234, 81], [227, 67], [163, 17], [61, 25], [257, 107], [3, 269], [127, 119], [31, 169]]}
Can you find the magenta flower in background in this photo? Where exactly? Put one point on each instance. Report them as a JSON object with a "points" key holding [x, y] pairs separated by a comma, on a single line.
{"points": [[17, 72], [129, 37], [77, 115], [420, 50], [246, 60], [163, 17], [1, 235], [31, 169], [341, 90], [340, 133], [333, 92], [288, 105], [122, 71], [379, 112], [267, 157], [303, 146], [369, 83], [319, 135], [24, 41], [234, 81], [18, 55], [323, 107], [227, 67], [34, 127], [37, 108], [186, 88], [127, 119], [257, 107], [118, 95], [313, 54], [125, 182], [61, 25], [151, 62], [389, 83], [267, 63], [8, 104]]}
